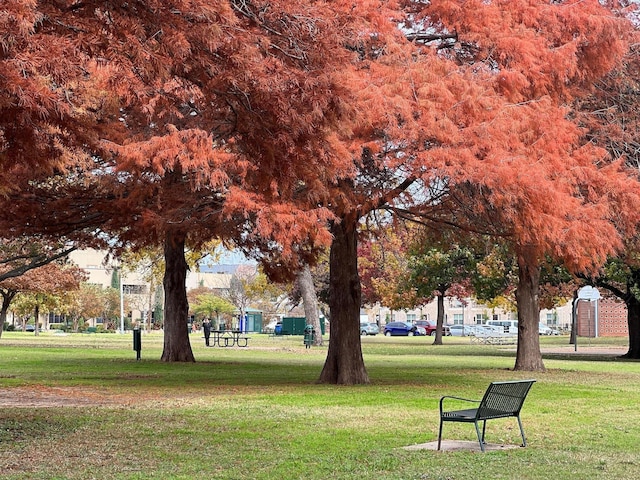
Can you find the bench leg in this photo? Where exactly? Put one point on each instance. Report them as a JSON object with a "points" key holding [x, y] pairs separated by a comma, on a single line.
{"points": [[480, 438], [484, 429], [524, 440], [440, 434]]}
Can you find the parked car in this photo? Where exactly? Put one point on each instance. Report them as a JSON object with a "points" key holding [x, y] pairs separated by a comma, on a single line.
{"points": [[420, 331], [399, 328], [462, 330], [430, 327], [369, 329], [545, 330], [30, 328]]}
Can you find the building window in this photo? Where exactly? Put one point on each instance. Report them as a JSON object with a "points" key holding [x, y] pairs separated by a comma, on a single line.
{"points": [[479, 318], [458, 319], [134, 289], [411, 317], [552, 318]]}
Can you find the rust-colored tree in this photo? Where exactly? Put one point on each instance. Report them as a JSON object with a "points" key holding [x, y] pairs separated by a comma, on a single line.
{"points": [[225, 118], [612, 117], [40, 284], [22, 265], [49, 105], [224, 111], [476, 127], [545, 55]]}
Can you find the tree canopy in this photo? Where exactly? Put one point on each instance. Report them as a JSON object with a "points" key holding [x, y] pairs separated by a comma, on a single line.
{"points": [[169, 124], [213, 118], [472, 128]]}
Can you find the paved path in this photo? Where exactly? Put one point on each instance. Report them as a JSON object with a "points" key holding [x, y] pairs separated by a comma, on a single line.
{"points": [[459, 445], [586, 350]]}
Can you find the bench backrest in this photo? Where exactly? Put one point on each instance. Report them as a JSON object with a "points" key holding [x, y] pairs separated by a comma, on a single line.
{"points": [[503, 399]]}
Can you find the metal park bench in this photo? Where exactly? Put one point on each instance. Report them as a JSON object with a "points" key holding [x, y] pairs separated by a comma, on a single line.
{"points": [[501, 400]]}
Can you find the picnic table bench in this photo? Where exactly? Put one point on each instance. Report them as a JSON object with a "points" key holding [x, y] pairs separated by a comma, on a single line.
{"points": [[229, 338], [501, 400], [494, 338]]}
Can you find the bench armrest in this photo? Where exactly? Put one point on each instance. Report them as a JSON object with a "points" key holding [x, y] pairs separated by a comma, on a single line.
{"points": [[455, 398]]}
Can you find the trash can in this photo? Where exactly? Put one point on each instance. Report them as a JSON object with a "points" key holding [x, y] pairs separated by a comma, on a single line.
{"points": [[309, 336], [137, 342]]}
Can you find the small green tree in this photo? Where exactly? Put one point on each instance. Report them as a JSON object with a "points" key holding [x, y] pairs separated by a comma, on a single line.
{"points": [[441, 272], [208, 304]]}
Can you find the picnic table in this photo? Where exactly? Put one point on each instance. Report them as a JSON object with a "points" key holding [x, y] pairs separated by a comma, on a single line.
{"points": [[228, 338], [494, 338]]}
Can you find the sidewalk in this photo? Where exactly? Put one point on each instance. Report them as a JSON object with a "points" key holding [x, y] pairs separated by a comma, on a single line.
{"points": [[586, 349]]}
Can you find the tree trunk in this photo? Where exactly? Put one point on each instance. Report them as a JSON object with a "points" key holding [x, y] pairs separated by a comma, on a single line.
{"points": [[177, 347], [310, 302], [7, 297], [344, 364], [439, 319], [36, 313], [574, 304], [528, 356], [633, 322]]}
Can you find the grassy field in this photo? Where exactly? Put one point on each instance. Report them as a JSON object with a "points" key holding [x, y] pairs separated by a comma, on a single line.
{"points": [[81, 407]]}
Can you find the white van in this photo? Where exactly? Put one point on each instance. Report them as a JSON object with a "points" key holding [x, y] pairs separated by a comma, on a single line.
{"points": [[509, 326]]}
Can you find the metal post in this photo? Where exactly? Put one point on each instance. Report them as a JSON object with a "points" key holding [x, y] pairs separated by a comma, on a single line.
{"points": [[121, 302]]}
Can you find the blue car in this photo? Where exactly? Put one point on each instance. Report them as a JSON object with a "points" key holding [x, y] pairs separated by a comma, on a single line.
{"points": [[367, 328], [399, 329]]}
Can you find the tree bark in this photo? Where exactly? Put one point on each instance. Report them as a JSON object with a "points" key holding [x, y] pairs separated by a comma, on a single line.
{"points": [[439, 319], [344, 364], [310, 302], [177, 347], [574, 303], [528, 356], [36, 313], [633, 323], [7, 297]]}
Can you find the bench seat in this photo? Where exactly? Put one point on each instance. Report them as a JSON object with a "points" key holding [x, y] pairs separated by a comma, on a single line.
{"points": [[501, 400]]}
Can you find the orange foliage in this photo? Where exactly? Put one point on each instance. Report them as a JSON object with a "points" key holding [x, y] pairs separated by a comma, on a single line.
{"points": [[484, 120], [243, 119], [193, 102], [51, 278]]}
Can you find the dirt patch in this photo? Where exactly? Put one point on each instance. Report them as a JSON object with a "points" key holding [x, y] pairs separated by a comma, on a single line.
{"points": [[42, 396]]}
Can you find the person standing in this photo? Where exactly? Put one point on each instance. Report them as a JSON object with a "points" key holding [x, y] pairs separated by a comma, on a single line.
{"points": [[206, 327]]}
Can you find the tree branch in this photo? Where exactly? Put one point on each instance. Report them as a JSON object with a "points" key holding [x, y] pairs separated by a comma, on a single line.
{"points": [[430, 37], [35, 262]]}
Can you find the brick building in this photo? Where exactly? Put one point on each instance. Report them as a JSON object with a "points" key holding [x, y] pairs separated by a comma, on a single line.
{"points": [[606, 317]]}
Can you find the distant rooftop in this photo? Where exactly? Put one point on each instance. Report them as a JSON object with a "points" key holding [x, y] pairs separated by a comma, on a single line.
{"points": [[224, 268]]}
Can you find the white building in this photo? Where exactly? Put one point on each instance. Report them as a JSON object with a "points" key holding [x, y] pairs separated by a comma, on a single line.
{"points": [[458, 313], [140, 294]]}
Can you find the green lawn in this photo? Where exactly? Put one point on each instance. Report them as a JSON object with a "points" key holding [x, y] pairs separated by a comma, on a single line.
{"points": [[257, 413]]}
